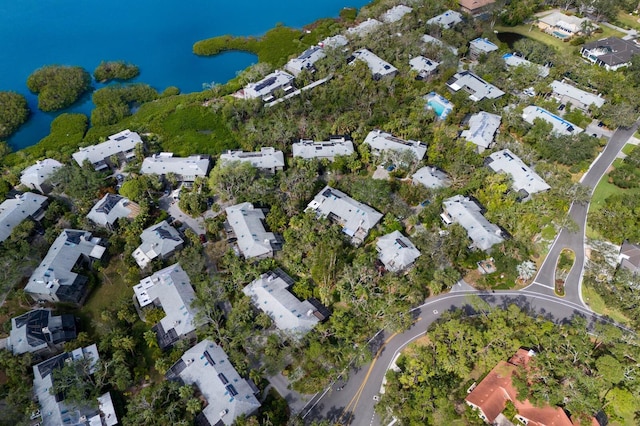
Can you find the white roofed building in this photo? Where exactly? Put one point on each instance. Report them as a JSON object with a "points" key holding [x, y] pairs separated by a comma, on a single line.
{"points": [[423, 66], [54, 279], [468, 214], [247, 224], [481, 46], [356, 218], [111, 208], [379, 68], [334, 42], [158, 241], [305, 61], [171, 290], [37, 175], [121, 144], [560, 125], [267, 159], [39, 331], [562, 26], [525, 180], [336, 145], [431, 178], [446, 20], [395, 14], [512, 61], [271, 294], [55, 409], [581, 99], [482, 129], [396, 252], [380, 141], [477, 88], [364, 28], [227, 395], [15, 210], [187, 169], [264, 88]]}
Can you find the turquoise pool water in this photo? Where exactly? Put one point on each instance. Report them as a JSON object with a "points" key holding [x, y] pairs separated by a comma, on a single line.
{"points": [[437, 107], [156, 35]]}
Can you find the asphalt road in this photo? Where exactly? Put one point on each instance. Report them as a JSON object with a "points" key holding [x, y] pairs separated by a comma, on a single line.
{"points": [[575, 240], [351, 401], [354, 403]]}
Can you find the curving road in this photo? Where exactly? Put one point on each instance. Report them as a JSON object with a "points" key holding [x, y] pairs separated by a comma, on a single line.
{"points": [[575, 240], [352, 402]]}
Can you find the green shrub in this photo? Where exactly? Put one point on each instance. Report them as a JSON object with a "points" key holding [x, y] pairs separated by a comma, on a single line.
{"points": [[58, 86], [14, 111], [115, 70], [113, 102]]}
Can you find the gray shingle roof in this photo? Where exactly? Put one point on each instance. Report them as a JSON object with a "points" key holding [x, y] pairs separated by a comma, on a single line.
{"points": [[270, 293], [171, 288], [247, 223], [354, 217], [159, 240], [578, 96], [54, 279], [228, 395], [524, 177], [14, 210], [111, 208], [268, 158], [34, 176], [396, 251], [431, 177], [612, 51], [468, 214], [383, 141]]}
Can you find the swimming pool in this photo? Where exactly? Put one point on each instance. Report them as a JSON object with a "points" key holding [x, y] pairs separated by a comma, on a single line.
{"points": [[560, 35], [441, 106]]}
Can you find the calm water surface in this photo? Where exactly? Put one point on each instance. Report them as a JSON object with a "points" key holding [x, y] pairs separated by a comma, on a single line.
{"points": [[155, 35]]}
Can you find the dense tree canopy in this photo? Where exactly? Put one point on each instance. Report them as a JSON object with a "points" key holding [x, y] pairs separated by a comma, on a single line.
{"points": [[115, 70], [58, 86], [14, 111]]}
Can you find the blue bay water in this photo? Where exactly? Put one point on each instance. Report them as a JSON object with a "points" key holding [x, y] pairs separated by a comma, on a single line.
{"points": [[156, 35]]}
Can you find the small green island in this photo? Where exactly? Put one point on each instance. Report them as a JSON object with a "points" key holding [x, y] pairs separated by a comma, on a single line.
{"points": [[115, 70], [14, 112], [58, 86]]}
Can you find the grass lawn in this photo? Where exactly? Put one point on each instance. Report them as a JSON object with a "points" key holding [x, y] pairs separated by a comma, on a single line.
{"points": [[598, 306], [625, 20], [604, 189], [534, 33], [112, 288]]}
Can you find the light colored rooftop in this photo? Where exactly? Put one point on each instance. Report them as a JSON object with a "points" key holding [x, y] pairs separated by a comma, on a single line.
{"points": [[423, 65], [55, 271], [247, 223], [120, 143], [270, 293], [158, 240], [305, 60], [364, 28], [560, 125], [172, 289], [14, 210], [483, 45], [111, 208], [37, 329], [468, 214], [352, 215], [334, 42], [308, 149], [482, 128], [524, 177], [513, 61], [447, 19], [432, 178], [396, 251], [376, 65], [383, 141], [580, 97], [568, 23], [395, 13], [186, 168], [477, 88], [34, 176], [267, 158], [263, 88], [228, 395]]}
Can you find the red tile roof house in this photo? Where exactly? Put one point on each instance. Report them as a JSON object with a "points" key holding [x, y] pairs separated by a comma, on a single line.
{"points": [[490, 397]]}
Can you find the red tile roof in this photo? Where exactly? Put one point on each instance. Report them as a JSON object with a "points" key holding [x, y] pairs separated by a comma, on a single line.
{"points": [[473, 5]]}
